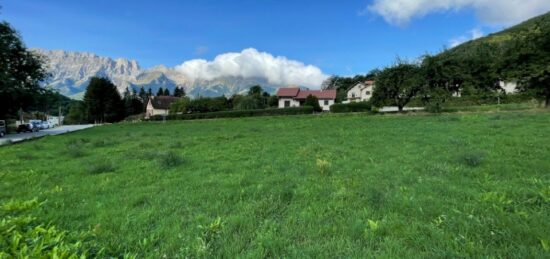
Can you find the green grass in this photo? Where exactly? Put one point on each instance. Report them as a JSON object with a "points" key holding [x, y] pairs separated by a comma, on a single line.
{"points": [[452, 185]]}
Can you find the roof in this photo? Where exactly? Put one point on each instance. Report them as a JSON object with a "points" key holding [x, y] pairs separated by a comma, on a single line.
{"points": [[163, 102], [288, 92], [320, 94], [366, 83]]}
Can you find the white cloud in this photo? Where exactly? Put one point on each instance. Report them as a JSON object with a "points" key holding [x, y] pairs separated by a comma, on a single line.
{"points": [[251, 63], [472, 35], [491, 12]]}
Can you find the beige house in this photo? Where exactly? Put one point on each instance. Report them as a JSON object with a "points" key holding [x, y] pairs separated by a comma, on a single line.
{"points": [[159, 105], [295, 97], [360, 92]]}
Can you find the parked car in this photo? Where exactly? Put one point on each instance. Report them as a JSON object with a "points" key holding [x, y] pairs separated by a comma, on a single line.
{"points": [[45, 125], [3, 128], [27, 127]]}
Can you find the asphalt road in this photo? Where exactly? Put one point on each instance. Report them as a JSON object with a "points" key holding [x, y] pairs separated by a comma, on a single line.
{"points": [[17, 137]]}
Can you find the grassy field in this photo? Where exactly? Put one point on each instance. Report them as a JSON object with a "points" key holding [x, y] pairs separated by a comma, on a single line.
{"points": [[455, 185]]}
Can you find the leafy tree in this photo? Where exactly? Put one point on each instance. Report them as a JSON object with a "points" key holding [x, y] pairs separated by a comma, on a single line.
{"points": [[160, 92], [255, 91], [180, 106], [397, 85], [102, 101], [273, 101], [21, 72], [313, 102], [528, 61], [76, 114]]}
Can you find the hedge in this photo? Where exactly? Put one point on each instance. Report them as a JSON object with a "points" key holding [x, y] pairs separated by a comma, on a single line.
{"points": [[236, 114], [351, 107]]}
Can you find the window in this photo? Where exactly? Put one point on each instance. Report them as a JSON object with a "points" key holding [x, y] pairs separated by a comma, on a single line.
{"points": [[326, 102], [287, 104], [367, 92], [353, 95]]}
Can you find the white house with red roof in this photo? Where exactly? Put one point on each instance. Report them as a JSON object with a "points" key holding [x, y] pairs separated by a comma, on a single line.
{"points": [[360, 92], [295, 97]]}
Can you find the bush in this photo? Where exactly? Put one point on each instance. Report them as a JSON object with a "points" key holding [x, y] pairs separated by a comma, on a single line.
{"points": [[313, 102], [351, 107], [236, 114]]}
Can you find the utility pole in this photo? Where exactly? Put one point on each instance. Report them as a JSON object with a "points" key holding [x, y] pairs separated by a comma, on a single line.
{"points": [[60, 121]]}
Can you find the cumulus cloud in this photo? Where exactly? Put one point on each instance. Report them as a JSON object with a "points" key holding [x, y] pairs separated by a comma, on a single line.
{"points": [[251, 63], [492, 12], [472, 35]]}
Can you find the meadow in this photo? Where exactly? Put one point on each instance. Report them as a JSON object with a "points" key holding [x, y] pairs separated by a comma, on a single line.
{"points": [[351, 186]]}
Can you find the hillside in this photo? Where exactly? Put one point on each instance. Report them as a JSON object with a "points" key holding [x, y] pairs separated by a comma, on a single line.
{"points": [[499, 41]]}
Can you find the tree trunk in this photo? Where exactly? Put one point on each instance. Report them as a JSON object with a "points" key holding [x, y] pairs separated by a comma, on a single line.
{"points": [[400, 108], [547, 104]]}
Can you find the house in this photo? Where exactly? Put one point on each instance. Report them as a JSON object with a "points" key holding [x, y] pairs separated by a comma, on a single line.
{"points": [[159, 105], [509, 87], [360, 92], [296, 97]]}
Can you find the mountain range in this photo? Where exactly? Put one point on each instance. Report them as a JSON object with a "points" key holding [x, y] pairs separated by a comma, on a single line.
{"points": [[70, 73]]}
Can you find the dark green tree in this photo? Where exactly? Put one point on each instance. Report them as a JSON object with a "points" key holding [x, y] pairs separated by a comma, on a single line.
{"points": [[313, 102], [142, 94], [166, 92], [160, 92], [21, 72], [397, 85], [102, 101], [149, 92], [179, 92]]}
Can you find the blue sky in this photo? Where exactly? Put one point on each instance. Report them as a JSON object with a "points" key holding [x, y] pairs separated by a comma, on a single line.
{"points": [[339, 37]]}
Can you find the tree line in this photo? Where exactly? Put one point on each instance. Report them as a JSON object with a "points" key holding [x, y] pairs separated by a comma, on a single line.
{"points": [[474, 69]]}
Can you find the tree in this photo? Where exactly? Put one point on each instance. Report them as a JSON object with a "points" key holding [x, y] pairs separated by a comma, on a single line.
{"points": [[21, 72], [76, 114], [397, 85], [180, 106], [179, 92], [142, 95], [528, 61], [313, 102], [166, 92], [160, 92], [102, 101], [149, 92], [273, 101]]}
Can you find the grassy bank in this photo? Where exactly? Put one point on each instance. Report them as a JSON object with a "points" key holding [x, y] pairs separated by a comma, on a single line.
{"points": [[447, 185]]}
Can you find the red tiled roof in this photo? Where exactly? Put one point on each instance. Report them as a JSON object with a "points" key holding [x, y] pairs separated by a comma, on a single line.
{"points": [[370, 82], [320, 94], [288, 92]]}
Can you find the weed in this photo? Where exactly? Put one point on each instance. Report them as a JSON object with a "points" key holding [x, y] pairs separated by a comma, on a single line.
{"points": [[100, 167], [169, 160], [209, 235], [323, 166], [472, 159]]}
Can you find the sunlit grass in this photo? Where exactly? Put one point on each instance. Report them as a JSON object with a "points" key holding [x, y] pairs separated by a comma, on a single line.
{"points": [[453, 185]]}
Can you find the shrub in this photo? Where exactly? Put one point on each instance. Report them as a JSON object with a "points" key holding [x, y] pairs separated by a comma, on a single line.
{"points": [[312, 101], [237, 114], [351, 107]]}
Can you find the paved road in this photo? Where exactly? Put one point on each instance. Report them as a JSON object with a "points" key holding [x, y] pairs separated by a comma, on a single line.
{"points": [[16, 137]]}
